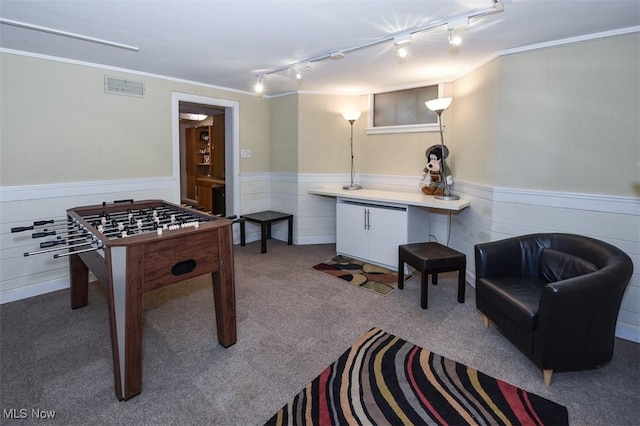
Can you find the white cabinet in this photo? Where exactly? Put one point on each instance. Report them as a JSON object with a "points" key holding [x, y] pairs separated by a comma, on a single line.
{"points": [[373, 232]]}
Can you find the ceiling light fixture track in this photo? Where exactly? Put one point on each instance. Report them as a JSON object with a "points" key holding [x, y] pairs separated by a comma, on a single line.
{"points": [[61, 33], [404, 35]]}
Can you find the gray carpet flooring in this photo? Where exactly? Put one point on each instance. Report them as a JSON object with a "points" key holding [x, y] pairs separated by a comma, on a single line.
{"points": [[293, 321]]}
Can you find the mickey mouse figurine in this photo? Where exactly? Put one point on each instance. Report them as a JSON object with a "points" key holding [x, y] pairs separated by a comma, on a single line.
{"points": [[433, 180]]}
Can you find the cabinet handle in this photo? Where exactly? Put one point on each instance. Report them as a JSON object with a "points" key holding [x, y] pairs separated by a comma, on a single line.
{"points": [[368, 219], [365, 218]]}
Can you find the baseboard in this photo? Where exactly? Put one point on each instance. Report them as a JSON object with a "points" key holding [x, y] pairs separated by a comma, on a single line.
{"points": [[8, 296], [316, 239], [628, 332]]}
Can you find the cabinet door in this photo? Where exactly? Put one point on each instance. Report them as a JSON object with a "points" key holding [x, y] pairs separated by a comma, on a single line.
{"points": [[387, 230], [205, 198], [352, 239], [217, 147], [191, 161]]}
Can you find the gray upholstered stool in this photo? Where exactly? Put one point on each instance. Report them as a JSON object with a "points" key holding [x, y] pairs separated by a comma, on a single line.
{"points": [[431, 258]]}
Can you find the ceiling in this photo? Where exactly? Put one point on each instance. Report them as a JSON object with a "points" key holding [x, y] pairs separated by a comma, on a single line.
{"points": [[228, 43]]}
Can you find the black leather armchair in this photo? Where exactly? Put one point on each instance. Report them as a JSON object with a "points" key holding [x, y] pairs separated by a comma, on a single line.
{"points": [[556, 297]]}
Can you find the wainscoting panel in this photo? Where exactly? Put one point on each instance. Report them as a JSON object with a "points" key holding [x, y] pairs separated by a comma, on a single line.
{"points": [[473, 224], [25, 276], [317, 214], [255, 196], [494, 213]]}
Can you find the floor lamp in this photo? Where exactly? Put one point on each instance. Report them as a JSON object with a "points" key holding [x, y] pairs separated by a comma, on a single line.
{"points": [[351, 117], [438, 106]]}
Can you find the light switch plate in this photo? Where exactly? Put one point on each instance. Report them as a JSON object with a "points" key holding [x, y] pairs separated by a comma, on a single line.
{"points": [[245, 153]]}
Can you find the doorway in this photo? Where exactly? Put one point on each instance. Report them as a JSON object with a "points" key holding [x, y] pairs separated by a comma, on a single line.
{"points": [[212, 181]]}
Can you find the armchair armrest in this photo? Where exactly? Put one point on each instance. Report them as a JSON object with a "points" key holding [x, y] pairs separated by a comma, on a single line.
{"points": [[577, 319], [498, 258]]}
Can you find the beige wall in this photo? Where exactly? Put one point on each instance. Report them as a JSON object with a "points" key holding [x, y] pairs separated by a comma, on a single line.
{"points": [[255, 135], [58, 125], [557, 119], [324, 145], [399, 154], [471, 133], [324, 134], [567, 118], [284, 134]]}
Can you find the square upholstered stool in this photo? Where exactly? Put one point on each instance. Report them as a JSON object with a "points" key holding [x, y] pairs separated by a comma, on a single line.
{"points": [[431, 258]]}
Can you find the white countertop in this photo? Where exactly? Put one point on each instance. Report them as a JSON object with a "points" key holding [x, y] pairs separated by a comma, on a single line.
{"points": [[408, 198]]}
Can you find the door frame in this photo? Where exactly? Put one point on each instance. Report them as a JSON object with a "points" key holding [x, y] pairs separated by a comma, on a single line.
{"points": [[232, 145]]}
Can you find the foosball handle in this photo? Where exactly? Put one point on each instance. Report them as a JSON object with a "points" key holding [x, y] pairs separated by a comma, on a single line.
{"points": [[42, 234], [128, 200], [22, 228], [52, 243]]}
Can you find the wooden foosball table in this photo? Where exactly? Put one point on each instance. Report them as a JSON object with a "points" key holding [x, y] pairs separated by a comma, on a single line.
{"points": [[138, 247]]}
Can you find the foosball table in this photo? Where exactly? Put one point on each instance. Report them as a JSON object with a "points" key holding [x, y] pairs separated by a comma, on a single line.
{"points": [[135, 248]]}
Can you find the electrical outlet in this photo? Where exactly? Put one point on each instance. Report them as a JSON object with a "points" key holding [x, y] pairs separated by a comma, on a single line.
{"points": [[245, 153]]}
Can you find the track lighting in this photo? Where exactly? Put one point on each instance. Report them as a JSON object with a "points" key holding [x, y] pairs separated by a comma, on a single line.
{"points": [[454, 40], [259, 87], [401, 42], [452, 26], [302, 70], [401, 51]]}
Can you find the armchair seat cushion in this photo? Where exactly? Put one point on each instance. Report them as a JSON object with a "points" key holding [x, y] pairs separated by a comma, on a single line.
{"points": [[516, 297]]}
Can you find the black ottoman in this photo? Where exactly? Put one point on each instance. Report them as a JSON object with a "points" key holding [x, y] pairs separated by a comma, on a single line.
{"points": [[431, 258]]}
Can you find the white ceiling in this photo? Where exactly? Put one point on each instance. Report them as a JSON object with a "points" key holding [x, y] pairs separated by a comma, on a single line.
{"points": [[228, 43]]}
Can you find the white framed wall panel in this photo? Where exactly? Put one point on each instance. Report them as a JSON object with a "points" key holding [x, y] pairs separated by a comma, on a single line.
{"points": [[317, 214], [494, 213], [25, 276], [473, 224], [255, 196]]}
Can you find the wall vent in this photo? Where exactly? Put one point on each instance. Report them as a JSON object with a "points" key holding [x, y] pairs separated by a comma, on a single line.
{"points": [[119, 86]]}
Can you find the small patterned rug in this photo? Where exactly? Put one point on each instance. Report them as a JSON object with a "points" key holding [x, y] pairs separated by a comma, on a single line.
{"points": [[371, 277]]}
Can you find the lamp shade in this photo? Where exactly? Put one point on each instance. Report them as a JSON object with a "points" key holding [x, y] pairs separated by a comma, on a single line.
{"points": [[351, 115], [438, 105]]}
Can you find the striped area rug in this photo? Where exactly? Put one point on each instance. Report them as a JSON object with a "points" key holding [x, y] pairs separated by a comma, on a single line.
{"points": [[384, 380]]}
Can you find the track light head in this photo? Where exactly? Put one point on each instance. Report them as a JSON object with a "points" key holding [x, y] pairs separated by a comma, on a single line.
{"points": [[454, 40], [456, 24], [401, 51], [302, 70], [259, 87], [401, 43]]}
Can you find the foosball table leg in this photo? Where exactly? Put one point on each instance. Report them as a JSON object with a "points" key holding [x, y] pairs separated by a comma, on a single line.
{"points": [[79, 282], [224, 295], [125, 314], [224, 301]]}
